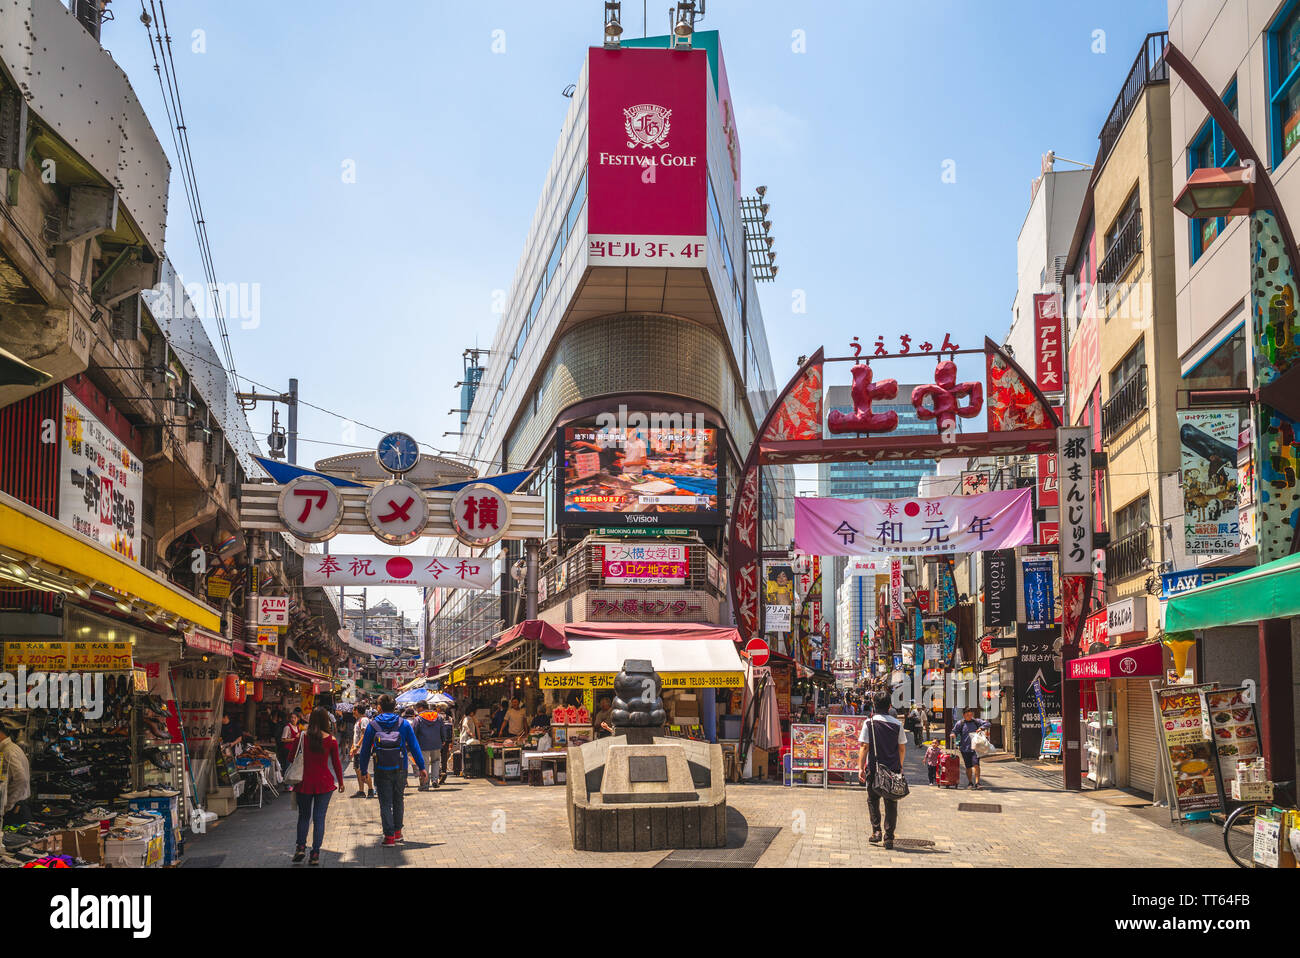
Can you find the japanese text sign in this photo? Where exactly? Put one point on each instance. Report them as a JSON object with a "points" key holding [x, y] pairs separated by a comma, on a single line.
{"points": [[645, 565], [101, 482], [896, 590], [1049, 343], [272, 609], [448, 572], [1074, 456], [925, 526], [1040, 600]]}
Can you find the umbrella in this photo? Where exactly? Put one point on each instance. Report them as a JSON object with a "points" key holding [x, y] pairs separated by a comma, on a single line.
{"points": [[413, 697], [441, 698]]}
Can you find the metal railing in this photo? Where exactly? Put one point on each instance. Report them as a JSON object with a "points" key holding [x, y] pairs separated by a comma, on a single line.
{"points": [[1125, 404], [1126, 248], [1124, 556], [1149, 67]]}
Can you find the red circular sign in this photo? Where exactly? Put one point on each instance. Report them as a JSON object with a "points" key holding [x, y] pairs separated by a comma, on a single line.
{"points": [[758, 651], [398, 567], [986, 645], [912, 509]]}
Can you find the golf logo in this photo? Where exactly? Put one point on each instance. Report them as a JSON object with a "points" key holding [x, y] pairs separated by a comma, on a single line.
{"points": [[647, 125]]}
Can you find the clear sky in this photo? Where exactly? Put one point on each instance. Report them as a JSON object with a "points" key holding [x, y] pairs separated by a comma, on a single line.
{"points": [[849, 112]]}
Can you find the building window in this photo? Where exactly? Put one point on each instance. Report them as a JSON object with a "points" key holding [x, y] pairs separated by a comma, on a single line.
{"points": [[1123, 241], [1284, 81], [1224, 367], [1132, 519], [1209, 149], [1128, 367]]}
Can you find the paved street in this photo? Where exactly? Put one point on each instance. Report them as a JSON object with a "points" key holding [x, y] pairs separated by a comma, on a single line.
{"points": [[476, 824]]}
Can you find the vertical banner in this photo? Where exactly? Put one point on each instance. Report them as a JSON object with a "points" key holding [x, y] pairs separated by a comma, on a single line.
{"points": [[896, 590], [1049, 340], [1074, 595], [1049, 482], [1074, 456], [999, 588], [1040, 600], [1208, 444], [1247, 513], [647, 157], [1037, 688], [199, 701]]}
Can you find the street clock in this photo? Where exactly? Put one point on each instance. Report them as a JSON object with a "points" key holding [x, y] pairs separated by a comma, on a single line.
{"points": [[398, 453]]}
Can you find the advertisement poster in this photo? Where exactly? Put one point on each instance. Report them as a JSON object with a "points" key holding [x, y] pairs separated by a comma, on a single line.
{"points": [[645, 565], [641, 473], [1037, 686], [1189, 753], [199, 701], [842, 746], [915, 526], [647, 157], [974, 483], [1208, 443], [67, 656], [1235, 727], [1040, 601], [807, 747], [101, 482], [999, 588]]}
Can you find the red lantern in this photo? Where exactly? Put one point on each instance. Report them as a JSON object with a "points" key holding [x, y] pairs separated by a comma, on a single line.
{"points": [[234, 689], [257, 690]]}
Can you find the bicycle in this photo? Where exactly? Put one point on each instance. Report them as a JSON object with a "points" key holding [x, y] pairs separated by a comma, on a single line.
{"points": [[1239, 827]]}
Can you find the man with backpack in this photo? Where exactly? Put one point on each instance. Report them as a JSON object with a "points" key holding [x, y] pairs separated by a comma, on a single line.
{"points": [[430, 732], [393, 741]]}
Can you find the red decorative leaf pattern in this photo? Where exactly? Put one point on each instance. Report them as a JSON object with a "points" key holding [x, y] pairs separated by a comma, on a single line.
{"points": [[1012, 404], [800, 414]]}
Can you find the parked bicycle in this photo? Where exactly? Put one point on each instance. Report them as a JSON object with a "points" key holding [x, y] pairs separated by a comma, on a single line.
{"points": [[1239, 827]]}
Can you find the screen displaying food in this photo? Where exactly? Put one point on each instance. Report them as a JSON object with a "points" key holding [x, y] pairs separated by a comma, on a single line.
{"points": [[611, 472]]}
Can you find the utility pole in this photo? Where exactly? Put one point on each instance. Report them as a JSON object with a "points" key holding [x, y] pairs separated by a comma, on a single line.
{"points": [[249, 401]]}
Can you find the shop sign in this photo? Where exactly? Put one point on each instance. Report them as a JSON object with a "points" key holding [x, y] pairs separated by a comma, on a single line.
{"points": [[310, 508], [267, 666], [1085, 365], [671, 680], [397, 512], [647, 160], [68, 656], [1037, 687], [625, 565], [1040, 601], [1095, 630], [999, 588], [1074, 454], [1048, 534], [1247, 514], [807, 747], [458, 675], [1049, 483], [199, 704], [1127, 618], [101, 482], [1208, 475], [921, 526], [448, 572], [640, 532], [480, 514], [218, 587], [1176, 583], [206, 642], [1049, 343], [975, 483], [272, 610], [1188, 751], [896, 590]]}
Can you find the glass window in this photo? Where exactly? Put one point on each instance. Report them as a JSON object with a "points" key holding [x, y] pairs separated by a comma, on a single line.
{"points": [[1208, 150], [1122, 219], [553, 264], [1128, 367], [575, 206], [1284, 81], [1132, 519], [1224, 367]]}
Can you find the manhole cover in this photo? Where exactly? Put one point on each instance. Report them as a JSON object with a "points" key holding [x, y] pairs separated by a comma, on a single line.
{"points": [[972, 807], [913, 843]]}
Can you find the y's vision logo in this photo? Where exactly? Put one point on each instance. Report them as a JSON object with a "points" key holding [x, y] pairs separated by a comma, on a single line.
{"points": [[647, 125]]}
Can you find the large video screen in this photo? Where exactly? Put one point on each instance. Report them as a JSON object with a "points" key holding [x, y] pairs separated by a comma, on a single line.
{"points": [[630, 476]]}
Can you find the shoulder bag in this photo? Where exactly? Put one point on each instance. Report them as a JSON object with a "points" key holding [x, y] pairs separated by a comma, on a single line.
{"points": [[885, 782]]}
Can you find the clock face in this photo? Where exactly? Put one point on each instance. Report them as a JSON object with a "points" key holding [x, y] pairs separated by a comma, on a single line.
{"points": [[398, 452]]}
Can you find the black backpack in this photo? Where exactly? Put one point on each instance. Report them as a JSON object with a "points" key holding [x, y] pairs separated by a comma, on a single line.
{"points": [[390, 751]]}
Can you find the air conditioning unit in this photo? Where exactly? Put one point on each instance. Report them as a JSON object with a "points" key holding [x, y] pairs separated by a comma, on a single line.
{"points": [[124, 324]]}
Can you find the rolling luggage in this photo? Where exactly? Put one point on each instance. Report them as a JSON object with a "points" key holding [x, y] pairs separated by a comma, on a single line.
{"points": [[948, 773]]}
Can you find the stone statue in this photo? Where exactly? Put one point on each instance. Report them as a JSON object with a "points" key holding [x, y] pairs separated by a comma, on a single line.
{"points": [[638, 699]]}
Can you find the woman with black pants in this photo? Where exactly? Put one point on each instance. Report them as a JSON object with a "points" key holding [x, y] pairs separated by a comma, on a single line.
{"points": [[322, 773]]}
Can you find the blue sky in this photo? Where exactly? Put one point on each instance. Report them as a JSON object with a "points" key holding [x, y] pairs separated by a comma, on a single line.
{"points": [[370, 290]]}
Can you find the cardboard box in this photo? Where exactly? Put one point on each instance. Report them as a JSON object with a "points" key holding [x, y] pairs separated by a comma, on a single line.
{"points": [[83, 843], [1251, 791], [222, 806], [760, 762]]}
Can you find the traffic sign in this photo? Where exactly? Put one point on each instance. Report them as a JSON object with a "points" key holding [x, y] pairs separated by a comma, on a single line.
{"points": [[758, 652]]}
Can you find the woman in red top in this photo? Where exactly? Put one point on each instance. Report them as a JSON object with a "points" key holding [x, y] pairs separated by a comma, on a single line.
{"points": [[322, 773]]}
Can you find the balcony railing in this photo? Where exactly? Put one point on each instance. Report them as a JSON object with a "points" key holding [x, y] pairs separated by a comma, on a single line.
{"points": [[1126, 247], [1125, 404], [1124, 556], [1149, 67]]}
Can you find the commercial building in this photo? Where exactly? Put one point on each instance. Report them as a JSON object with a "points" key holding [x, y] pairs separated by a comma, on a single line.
{"points": [[631, 368]]}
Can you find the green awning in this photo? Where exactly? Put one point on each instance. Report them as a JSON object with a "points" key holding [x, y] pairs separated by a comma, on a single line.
{"points": [[1271, 591]]}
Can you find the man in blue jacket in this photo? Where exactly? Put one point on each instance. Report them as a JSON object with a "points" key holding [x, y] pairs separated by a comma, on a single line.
{"points": [[961, 732], [393, 741]]}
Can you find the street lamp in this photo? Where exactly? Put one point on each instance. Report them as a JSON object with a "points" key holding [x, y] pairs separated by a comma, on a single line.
{"points": [[613, 24], [1212, 192]]}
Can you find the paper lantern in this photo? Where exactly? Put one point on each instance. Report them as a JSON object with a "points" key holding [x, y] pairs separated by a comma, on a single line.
{"points": [[258, 690], [234, 689]]}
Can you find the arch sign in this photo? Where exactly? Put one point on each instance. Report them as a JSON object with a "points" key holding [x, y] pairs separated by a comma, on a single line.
{"points": [[1020, 421]]}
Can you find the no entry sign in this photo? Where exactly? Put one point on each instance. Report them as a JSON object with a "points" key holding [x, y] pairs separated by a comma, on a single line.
{"points": [[758, 652]]}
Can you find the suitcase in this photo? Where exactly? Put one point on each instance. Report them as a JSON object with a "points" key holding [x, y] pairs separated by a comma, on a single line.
{"points": [[948, 773]]}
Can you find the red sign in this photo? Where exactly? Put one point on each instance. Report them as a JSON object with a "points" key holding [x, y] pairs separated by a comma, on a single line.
{"points": [[1049, 343], [267, 666], [1085, 366], [1049, 534], [202, 641], [896, 590], [923, 599], [758, 652], [986, 645], [1049, 481], [1135, 662], [1094, 630], [647, 157]]}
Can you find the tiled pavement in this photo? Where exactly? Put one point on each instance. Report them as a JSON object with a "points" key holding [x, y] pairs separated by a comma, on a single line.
{"points": [[479, 824]]}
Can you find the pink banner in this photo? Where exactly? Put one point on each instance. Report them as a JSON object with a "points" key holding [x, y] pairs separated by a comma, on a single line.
{"points": [[448, 572], [917, 526]]}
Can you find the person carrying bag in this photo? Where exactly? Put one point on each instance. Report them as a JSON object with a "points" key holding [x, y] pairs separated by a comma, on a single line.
{"points": [[881, 763]]}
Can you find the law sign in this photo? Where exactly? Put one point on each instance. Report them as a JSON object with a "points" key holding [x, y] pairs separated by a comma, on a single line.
{"points": [[272, 609]]}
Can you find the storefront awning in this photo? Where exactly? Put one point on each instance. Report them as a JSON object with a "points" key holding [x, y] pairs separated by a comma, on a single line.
{"points": [[25, 531], [1271, 591], [416, 683], [1135, 662], [685, 656]]}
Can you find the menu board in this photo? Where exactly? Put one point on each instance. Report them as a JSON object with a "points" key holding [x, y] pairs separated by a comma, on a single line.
{"points": [[842, 746], [1188, 751], [807, 748], [781, 680], [1236, 729]]}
